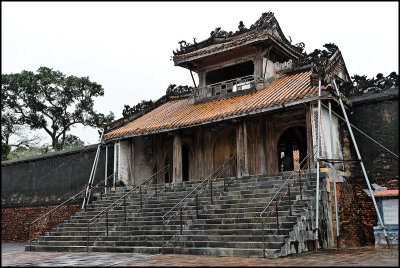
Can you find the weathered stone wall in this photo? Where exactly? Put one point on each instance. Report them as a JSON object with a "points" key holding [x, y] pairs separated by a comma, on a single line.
{"points": [[377, 115], [51, 178]]}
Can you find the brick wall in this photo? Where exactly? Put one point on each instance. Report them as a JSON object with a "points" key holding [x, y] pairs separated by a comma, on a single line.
{"points": [[15, 221], [377, 115], [356, 212]]}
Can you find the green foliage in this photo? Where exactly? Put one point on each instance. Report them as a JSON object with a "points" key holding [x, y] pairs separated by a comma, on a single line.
{"points": [[51, 101], [5, 149], [23, 151], [71, 141]]}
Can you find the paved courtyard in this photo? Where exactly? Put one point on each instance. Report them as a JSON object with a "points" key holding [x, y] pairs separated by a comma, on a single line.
{"points": [[12, 254]]}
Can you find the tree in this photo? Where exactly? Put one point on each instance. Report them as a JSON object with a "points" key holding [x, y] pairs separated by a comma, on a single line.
{"points": [[51, 101], [72, 141]]}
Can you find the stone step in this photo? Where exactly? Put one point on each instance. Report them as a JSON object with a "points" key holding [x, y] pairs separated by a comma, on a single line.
{"points": [[229, 238], [250, 226], [249, 232], [143, 250], [56, 248], [224, 244], [221, 252]]}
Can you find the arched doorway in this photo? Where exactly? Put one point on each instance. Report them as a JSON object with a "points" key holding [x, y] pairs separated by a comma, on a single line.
{"points": [[293, 144], [224, 148], [168, 160]]}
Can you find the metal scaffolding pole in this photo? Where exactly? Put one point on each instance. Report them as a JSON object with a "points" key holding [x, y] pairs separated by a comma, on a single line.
{"points": [[105, 171], [93, 171], [318, 154], [334, 175], [361, 162]]}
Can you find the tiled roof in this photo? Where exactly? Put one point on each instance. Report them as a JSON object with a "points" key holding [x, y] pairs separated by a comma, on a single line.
{"points": [[242, 40], [184, 113], [387, 193]]}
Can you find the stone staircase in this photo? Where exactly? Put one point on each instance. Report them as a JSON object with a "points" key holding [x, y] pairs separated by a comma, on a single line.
{"points": [[231, 226]]}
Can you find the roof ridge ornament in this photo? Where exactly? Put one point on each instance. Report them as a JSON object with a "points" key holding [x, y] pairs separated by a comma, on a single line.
{"points": [[267, 20]]}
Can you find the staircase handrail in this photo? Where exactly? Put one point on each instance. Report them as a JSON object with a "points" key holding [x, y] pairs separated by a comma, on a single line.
{"points": [[277, 202], [209, 183], [200, 191], [283, 184], [77, 196], [116, 202]]}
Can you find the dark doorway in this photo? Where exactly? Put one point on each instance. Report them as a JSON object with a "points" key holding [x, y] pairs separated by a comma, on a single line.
{"points": [[293, 146], [185, 163], [168, 160], [230, 72]]}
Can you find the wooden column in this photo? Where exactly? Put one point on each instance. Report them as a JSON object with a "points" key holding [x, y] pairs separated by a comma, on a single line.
{"points": [[261, 136], [272, 160], [241, 144], [245, 155], [160, 162], [309, 134], [208, 153], [131, 162], [199, 154], [177, 159]]}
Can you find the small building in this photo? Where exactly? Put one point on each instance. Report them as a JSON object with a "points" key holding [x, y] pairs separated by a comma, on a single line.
{"points": [[388, 204], [256, 98]]}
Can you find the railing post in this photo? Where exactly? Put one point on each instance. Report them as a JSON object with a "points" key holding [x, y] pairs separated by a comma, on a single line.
{"points": [[181, 221], [197, 206], [101, 192], [211, 192], [263, 239], [290, 205], [124, 209], [301, 192], [277, 216], [69, 211], [30, 237], [224, 184], [87, 239], [141, 204], [155, 187], [162, 241], [107, 221]]}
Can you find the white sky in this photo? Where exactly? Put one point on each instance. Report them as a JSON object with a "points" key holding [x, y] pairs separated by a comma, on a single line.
{"points": [[126, 46]]}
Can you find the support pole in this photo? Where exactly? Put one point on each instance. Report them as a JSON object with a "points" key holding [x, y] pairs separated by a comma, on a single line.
{"points": [[193, 78], [263, 238], [85, 200], [334, 175], [105, 171], [361, 163], [94, 172], [318, 154]]}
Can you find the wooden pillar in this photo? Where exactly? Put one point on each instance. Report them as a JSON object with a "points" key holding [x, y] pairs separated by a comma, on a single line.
{"points": [[199, 154], [309, 134], [272, 159], [177, 159], [131, 162], [208, 153], [245, 155], [160, 162], [261, 136], [241, 144]]}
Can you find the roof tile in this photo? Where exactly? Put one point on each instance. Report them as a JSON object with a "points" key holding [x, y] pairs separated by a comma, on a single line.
{"points": [[184, 113]]}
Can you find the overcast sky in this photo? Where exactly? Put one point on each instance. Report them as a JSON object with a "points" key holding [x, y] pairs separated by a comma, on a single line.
{"points": [[127, 46]]}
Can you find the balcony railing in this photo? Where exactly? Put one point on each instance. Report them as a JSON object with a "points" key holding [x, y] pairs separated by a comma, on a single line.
{"points": [[224, 87]]}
